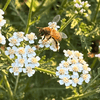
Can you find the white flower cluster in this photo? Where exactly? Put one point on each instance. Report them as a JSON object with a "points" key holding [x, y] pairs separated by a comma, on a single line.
{"points": [[73, 71], [51, 42], [81, 7], [26, 57], [2, 22]]}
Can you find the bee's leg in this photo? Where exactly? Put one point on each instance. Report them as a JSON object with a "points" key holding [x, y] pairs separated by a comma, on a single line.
{"points": [[56, 43]]}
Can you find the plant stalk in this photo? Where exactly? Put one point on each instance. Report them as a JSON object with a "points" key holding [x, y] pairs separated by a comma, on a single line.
{"points": [[44, 70], [29, 18], [10, 93], [82, 95], [65, 24], [6, 5], [94, 19], [16, 85]]}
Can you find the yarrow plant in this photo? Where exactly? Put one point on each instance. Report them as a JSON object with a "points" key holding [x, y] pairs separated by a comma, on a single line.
{"points": [[74, 70], [26, 57]]}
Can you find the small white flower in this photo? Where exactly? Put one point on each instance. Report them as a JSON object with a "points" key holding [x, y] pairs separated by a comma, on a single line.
{"points": [[78, 54], [81, 61], [77, 5], [87, 5], [65, 64], [74, 0], [2, 21], [99, 46], [11, 51], [82, 3], [30, 37], [21, 52], [2, 39], [53, 25], [34, 61], [65, 79], [42, 43], [30, 51], [61, 71], [76, 67], [76, 12], [15, 69], [28, 69], [54, 48], [1, 12], [86, 69], [76, 80], [85, 77], [14, 41], [68, 53], [19, 35], [21, 61], [97, 55], [82, 10]]}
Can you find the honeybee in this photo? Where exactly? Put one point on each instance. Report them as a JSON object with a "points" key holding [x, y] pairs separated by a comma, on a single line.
{"points": [[51, 32]]}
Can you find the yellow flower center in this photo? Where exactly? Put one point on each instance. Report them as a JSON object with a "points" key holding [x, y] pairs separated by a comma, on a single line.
{"points": [[75, 68], [34, 60], [21, 51], [13, 41], [30, 36], [66, 64], [85, 67], [77, 54], [73, 61], [65, 79], [75, 80], [69, 52], [85, 76], [30, 50], [29, 69], [15, 69], [21, 61], [61, 71], [19, 34], [11, 51], [0, 39], [81, 61]]}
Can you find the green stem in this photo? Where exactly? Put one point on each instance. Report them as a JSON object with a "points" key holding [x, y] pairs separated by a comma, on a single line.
{"points": [[8, 87], [65, 24], [18, 14], [94, 19], [82, 95], [6, 5], [29, 18], [16, 85], [94, 62], [2, 52], [39, 8], [45, 71], [90, 83]]}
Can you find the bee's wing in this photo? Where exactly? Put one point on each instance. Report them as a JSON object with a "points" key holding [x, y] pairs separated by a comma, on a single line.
{"points": [[63, 35], [56, 18]]}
